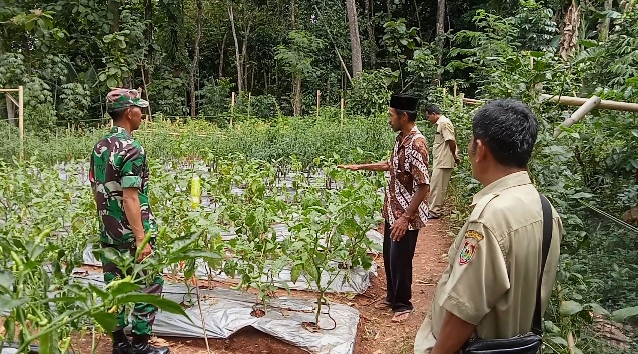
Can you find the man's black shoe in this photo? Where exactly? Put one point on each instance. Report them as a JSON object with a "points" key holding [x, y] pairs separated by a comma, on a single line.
{"points": [[141, 346], [121, 344]]}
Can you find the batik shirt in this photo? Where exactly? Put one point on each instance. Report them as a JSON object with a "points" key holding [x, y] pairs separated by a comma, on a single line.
{"points": [[118, 161], [408, 168]]}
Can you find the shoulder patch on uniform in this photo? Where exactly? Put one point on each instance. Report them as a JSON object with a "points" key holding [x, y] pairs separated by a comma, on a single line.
{"points": [[474, 234], [467, 252]]}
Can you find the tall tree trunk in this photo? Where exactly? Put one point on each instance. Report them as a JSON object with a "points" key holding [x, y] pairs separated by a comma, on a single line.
{"points": [[569, 38], [296, 108], [114, 10], [240, 87], [604, 25], [194, 67], [292, 14], [440, 31], [221, 55], [355, 42], [10, 108], [244, 55], [150, 51], [369, 13]]}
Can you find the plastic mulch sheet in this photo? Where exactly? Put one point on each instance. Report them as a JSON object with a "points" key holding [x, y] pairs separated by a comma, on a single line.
{"points": [[225, 312]]}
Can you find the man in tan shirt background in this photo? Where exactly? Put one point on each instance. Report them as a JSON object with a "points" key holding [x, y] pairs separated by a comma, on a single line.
{"points": [[445, 156], [489, 288]]}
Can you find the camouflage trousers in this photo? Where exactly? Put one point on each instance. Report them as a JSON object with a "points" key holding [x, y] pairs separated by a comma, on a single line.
{"points": [[143, 314]]}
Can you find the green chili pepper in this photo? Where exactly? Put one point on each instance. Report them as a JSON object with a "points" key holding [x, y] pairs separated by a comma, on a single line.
{"points": [[142, 245]]}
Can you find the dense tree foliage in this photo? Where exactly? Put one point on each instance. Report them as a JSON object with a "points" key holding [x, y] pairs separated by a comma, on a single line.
{"points": [[190, 56]]}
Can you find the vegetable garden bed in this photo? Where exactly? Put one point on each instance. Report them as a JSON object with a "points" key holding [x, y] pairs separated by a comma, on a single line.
{"points": [[264, 226]]}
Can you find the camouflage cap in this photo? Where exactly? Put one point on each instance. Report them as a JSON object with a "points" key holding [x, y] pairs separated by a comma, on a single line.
{"points": [[122, 98]]}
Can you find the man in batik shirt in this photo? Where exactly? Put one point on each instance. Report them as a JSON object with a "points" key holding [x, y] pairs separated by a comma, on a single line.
{"points": [[119, 177], [405, 207]]}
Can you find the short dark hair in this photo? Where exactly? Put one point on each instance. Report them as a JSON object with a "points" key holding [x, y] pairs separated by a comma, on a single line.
{"points": [[432, 109], [117, 113], [411, 114], [509, 129]]}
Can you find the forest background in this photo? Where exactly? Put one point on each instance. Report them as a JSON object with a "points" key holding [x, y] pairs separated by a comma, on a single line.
{"points": [[245, 76]]}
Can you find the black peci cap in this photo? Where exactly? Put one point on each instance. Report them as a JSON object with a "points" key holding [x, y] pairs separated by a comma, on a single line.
{"points": [[404, 102]]}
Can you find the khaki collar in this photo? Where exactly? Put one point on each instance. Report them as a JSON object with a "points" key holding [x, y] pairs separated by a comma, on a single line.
{"points": [[509, 181]]}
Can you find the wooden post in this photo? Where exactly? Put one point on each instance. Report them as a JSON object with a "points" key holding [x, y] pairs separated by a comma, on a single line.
{"points": [[473, 102], [232, 107], [318, 101], [444, 97], [455, 90], [342, 108], [462, 96], [580, 113], [249, 95], [21, 119]]}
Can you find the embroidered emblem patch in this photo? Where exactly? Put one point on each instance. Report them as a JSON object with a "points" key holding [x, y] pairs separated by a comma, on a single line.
{"points": [[467, 253], [474, 234]]}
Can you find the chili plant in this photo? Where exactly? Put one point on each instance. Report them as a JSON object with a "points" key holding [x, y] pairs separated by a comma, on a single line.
{"points": [[331, 230], [41, 303]]}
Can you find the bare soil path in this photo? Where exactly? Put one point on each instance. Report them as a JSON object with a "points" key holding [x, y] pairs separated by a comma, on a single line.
{"points": [[376, 333]]}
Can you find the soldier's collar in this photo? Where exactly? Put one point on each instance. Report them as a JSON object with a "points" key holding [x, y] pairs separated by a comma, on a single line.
{"points": [[119, 130], [509, 181]]}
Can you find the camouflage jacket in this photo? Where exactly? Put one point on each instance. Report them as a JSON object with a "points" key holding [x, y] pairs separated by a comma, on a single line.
{"points": [[119, 161]]}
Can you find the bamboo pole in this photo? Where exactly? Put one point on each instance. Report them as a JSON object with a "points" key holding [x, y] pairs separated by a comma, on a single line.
{"points": [[232, 107], [12, 99], [587, 107], [21, 119], [462, 96], [318, 101], [444, 97], [604, 104], [455, 87], [10, 90], [472, 101], [343, 103]]}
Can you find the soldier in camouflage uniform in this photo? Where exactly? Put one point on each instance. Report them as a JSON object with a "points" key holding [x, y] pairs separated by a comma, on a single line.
{"points": [[119, 177]]}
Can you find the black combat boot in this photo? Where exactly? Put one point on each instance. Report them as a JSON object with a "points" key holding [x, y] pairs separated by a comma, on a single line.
{"points": [[141, 346], [121, 344]]}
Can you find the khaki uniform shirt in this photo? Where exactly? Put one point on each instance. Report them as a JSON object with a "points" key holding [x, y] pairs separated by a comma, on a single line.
{"points": [[408, 169], [443, 156], [494, 265]]}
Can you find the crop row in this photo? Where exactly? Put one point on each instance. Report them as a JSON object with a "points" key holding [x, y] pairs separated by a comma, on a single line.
{"points": [[48, 217]]}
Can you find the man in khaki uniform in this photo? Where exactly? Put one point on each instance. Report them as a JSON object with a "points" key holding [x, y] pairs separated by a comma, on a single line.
{"points": [[445, 156], [489, 288]]}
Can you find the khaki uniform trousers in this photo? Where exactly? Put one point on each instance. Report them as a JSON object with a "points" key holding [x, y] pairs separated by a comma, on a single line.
{"points": [[438, 187]]}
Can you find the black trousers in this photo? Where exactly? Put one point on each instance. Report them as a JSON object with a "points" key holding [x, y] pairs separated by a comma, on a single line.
{"points": [[397, 260]]}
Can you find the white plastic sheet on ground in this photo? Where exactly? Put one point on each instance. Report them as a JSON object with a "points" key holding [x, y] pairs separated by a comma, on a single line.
{"points": [[226, 311]]}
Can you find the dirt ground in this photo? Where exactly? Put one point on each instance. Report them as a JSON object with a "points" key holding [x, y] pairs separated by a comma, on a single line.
{"points": [[376, 333]]}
